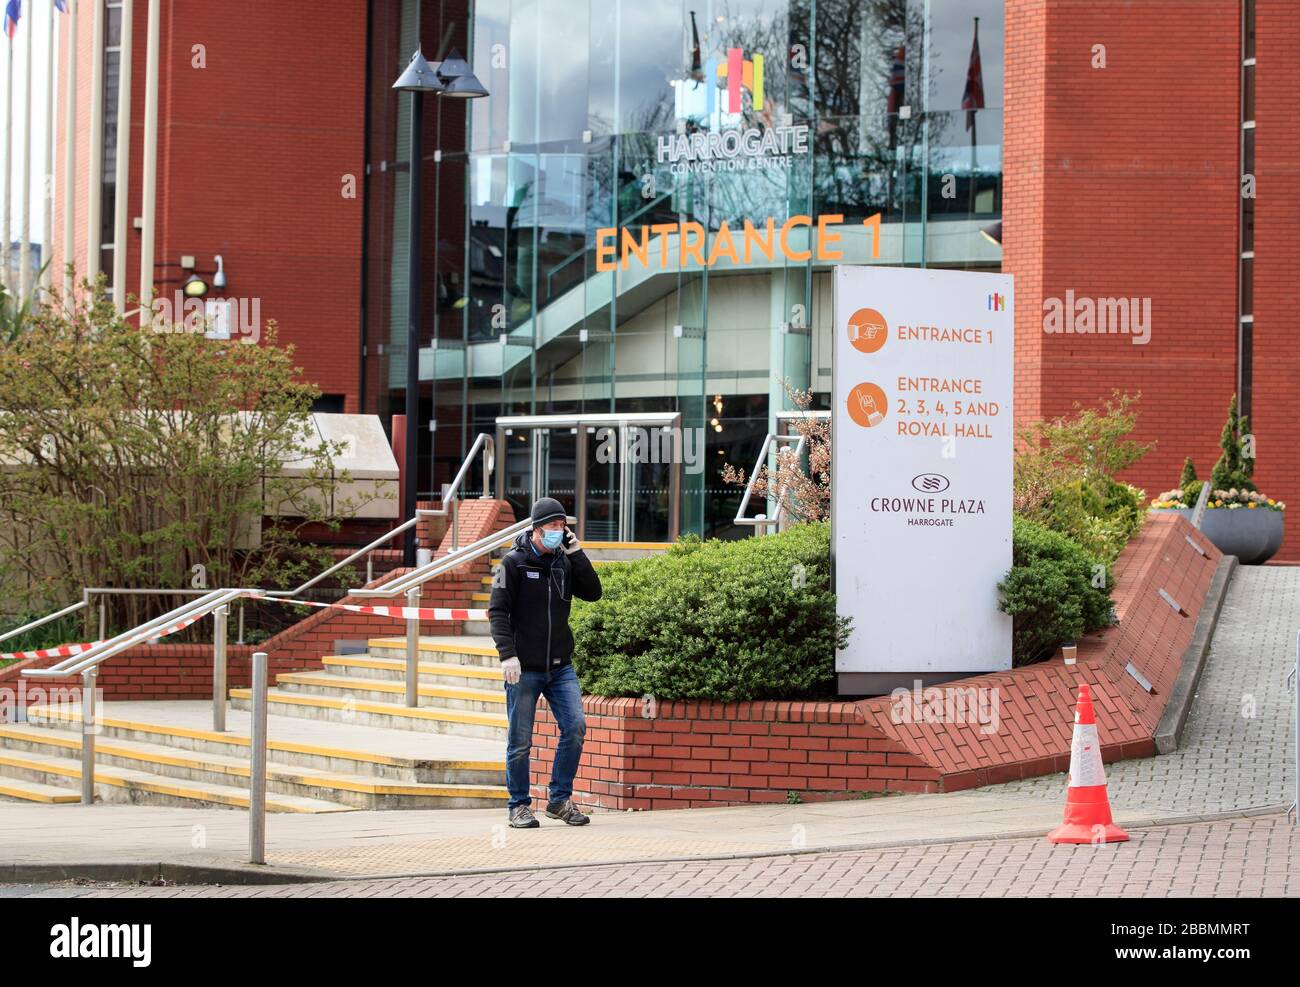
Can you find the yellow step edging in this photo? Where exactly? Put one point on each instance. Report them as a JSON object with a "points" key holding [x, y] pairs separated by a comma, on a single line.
{"points": [[322, 779], [385, 709], [446, 649], [40, 797], [335, 752], [397, 664], [160, 788], [397, 688]]}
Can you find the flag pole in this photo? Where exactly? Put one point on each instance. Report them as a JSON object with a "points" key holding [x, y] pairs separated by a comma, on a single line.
{"points": [[972, 131], [149, 167], [25, 245], [9, 166], [122, 176], [70, 153], [95, 173], [47, 189]]}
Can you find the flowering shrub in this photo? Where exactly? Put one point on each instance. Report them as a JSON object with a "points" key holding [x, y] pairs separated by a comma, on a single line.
{"points": [[1227, 499]]}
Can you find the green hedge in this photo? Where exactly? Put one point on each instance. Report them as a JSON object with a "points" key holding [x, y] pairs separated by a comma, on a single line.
{"points": [[723, 620], [1049, 591]]}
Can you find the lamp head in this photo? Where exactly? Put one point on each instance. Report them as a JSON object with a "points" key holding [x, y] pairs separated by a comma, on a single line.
{"points": [[419, 76]]}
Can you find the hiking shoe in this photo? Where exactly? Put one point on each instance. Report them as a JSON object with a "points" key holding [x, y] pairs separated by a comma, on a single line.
{"points": [[521, 817], [567, 811]]}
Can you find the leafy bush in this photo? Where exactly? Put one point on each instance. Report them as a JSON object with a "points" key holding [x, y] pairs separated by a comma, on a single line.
{"points": [[1100, 516], [1065, 476], [1050, 592], [724, 620]]}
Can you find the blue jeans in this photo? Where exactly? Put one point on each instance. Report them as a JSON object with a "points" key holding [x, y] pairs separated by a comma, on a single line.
{"points": [[564, 696]]}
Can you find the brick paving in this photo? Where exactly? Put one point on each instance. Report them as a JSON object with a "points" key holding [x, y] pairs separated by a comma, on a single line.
{"points": [[1255, 857]]}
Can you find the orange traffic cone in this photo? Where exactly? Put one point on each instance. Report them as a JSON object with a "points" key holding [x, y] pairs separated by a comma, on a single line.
{"points": [[1087, 809]]}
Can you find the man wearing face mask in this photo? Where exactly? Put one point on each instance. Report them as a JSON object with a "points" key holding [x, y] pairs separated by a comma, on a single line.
{"points": [[532, 592]]}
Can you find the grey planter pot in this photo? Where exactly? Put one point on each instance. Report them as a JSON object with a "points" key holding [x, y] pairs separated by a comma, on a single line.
{"points": [[1254, 536]]}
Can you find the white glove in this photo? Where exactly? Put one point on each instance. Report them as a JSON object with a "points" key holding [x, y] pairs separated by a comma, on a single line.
{"points": [[511, 669]]}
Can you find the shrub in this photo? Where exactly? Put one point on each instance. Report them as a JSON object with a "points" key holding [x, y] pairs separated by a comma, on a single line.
{"points": [[1101, 516], [1236, 465], [1065, 476], [723, 620], [1050, 592]]}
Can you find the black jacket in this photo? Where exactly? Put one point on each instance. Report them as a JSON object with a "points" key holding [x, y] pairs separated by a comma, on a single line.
{"points": [[531, 597]]}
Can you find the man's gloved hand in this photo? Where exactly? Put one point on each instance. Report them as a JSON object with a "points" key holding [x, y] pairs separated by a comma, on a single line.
{"points": [[571, 543], [511, 669]]}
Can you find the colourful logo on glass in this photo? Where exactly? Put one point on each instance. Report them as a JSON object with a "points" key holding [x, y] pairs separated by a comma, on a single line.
{"points": [[739, 72], [997, 302]]}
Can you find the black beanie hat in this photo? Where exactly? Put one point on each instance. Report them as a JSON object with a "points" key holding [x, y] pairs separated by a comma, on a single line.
{"points": [[547, 509]]}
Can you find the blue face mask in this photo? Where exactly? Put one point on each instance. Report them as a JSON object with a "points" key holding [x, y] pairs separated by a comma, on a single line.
{"points": [[552, 539]]}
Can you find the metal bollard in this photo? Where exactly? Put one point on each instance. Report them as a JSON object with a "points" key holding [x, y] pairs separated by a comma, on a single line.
{"points": [[1294, 679], [413, 650], [88, 715], [103, 620], [219, 668], [257, 774]]}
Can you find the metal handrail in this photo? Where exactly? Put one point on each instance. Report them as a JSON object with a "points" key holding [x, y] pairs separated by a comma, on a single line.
{"points": [[94, 656], [451, 491], [418, 576], [761, 521], [32, 625]]}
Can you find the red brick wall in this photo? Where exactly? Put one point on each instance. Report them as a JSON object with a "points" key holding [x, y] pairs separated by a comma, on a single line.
{"points": [[252, 150], [690, 754], [1276, 402], [1122, 181]]}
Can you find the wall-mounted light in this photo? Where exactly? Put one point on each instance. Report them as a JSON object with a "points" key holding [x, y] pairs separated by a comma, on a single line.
{"points": [[219, 279], [195, 287]]}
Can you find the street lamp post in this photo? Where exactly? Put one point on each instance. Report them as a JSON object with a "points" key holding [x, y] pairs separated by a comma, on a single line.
{"points": [[452, 78]]}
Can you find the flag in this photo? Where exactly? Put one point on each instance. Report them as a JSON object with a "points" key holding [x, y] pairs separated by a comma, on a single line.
{"points": [[13, 11], [972, 98], [61, 6]]}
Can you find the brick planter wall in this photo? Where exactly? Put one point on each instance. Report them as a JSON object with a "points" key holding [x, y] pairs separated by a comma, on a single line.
{"points": [[689, 754]]}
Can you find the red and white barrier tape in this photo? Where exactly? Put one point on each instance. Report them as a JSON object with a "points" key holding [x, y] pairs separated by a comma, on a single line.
{"points": [[403, 613], [72, 650]]}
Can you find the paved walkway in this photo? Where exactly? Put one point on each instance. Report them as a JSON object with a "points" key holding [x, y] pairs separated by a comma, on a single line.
{"points": [[1237, 756], [1257, 857], [1238, 746]]}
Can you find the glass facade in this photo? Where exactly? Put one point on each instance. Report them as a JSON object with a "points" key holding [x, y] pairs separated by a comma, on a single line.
{"points": [[654, 138]]}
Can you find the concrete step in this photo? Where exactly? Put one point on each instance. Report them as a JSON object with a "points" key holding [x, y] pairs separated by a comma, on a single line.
{"points": [[348, 789], [452, 650], [445, 761], [128, 786], [15, 789], [386, 690], [432, 673], [389, 715]]}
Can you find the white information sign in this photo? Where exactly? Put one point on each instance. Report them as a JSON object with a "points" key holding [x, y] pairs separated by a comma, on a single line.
{"points": [[922, 457]]}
